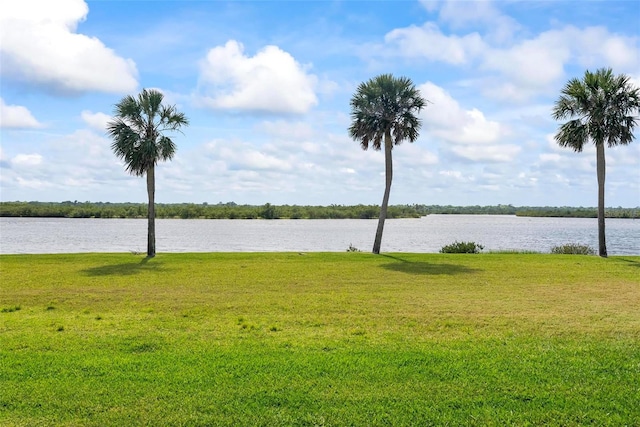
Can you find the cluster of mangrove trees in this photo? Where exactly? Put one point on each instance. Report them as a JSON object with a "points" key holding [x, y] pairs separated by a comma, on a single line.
{"points": [[232, 210]]}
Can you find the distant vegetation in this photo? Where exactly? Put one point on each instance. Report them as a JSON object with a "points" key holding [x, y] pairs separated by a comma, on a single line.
{"points": [[232, 210]]}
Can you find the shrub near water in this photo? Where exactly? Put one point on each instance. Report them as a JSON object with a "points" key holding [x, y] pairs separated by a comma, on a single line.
{"points": [[573, 249], [462, 248], [352, 248]]}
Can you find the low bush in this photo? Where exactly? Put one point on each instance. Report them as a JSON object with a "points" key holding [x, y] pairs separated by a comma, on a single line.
{"points": [[352, 248], [462, 248], [573, 249]]}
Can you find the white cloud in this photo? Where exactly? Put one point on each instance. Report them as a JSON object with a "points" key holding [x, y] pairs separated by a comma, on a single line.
{"points": [[40, 46], [596, 47], [271, 81], [513, 69], [456, 175], [429, 42], [298, 131], [551, 157], [537, 65], [96, 121], [35, 183], [446, 118], [464, 14], [430, 5], [477, 129], [16, 116], [414, 155], [568, 161], [487, 153], [467, 134], [240, 155], [79, 166], [532, 63], [27, 160]]}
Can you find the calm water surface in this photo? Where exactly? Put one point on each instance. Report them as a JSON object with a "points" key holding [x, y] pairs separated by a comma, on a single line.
{"points": [[427, 234]]}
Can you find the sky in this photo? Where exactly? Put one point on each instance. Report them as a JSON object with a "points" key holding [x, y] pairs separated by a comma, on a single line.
{"points": [[266, 87]]}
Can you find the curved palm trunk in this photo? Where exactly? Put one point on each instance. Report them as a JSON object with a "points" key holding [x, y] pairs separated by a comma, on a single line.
{"points": [[151, 212], [600, 168], [385, 199]]}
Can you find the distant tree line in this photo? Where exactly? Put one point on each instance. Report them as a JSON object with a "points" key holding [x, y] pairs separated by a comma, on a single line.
{"points": [[232, 210], [571, 212]]}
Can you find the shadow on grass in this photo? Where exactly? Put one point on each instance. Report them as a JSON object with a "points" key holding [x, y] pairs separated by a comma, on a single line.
{"points": [[421, 267], [126, 269], [632, 262]]}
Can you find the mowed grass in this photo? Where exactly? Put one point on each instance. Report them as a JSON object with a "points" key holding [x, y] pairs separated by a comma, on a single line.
{"points": [[333, 339]]}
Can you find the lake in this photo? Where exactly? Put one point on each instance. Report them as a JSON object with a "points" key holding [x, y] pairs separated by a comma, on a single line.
{"points": [[426, 234]]}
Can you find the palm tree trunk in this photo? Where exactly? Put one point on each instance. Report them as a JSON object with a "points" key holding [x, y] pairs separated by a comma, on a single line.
{"points": [[151, 212], [600, 168], [387, 189]]}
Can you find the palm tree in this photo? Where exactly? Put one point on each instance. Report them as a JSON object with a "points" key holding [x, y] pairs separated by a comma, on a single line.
{"points": [[138, 137], [601, 109], [384, 108]]}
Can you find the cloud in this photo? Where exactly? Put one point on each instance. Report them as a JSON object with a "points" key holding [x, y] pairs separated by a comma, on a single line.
{"points": [[566, 160], [16, 116], [40, 46], [430, 5], [240, 155], [537, 65], [27, 160], [414, 156], [79, 166], [474, 14], [307, 165], [467, 134], [597, 47], [456, 176], [430, 43], [511, 67], [487, 153], [281, 129], [96, 121], [272, 81]]}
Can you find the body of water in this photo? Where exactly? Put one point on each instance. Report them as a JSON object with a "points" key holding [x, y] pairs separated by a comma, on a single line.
{"points": [[427, 234]]}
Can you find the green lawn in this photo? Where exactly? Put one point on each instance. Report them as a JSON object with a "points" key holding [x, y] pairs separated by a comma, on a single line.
{"points": [[328, 339]]}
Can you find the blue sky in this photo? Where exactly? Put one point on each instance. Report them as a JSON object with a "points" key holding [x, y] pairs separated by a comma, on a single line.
{"points": [[266, 86]]}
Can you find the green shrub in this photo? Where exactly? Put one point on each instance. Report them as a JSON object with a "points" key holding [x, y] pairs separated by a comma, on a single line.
{"points": [[352, 248], [573, 249], [462, 248]]}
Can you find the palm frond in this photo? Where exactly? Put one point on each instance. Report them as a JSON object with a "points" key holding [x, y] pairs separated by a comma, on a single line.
{"points": [[385, 104], [138, 128], [573, 134], [601, 107]]}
